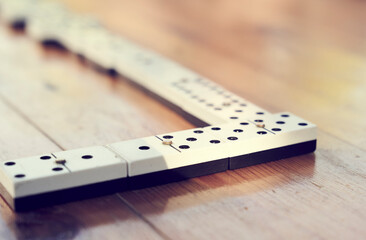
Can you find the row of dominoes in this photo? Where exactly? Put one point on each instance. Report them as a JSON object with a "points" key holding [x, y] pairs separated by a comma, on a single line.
{"points": [[190, 93], [245, 135], [69, 175]]}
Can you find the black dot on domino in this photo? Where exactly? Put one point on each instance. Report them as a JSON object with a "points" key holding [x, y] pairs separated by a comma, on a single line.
{"points": [[276, 129], [9, 163], [168, 137], [183, 146], [232, 138], [57, 169], [262, 132], [191, 139], [144, 148]]}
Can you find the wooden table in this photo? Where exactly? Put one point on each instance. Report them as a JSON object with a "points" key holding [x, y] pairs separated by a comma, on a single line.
{"points": [[306, 57]]}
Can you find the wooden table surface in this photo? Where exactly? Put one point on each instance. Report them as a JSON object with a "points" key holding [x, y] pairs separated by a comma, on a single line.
{"points": [[306, 57]]}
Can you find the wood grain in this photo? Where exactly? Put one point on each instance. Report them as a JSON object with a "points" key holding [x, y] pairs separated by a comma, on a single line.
{"points": [[306, 57], [21, 138]]}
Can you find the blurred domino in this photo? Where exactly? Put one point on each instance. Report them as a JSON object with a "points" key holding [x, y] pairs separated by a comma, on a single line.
{"points": [[16, 12], [199, 99]]}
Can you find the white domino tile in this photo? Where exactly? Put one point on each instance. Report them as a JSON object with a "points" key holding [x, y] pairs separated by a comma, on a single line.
{"points": [[32, 175], [41, 174], [242, 138], [212, 103], [288, 126], [195, 146], [250, 136], [93, 164], [150, 154], [145, 155]]}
